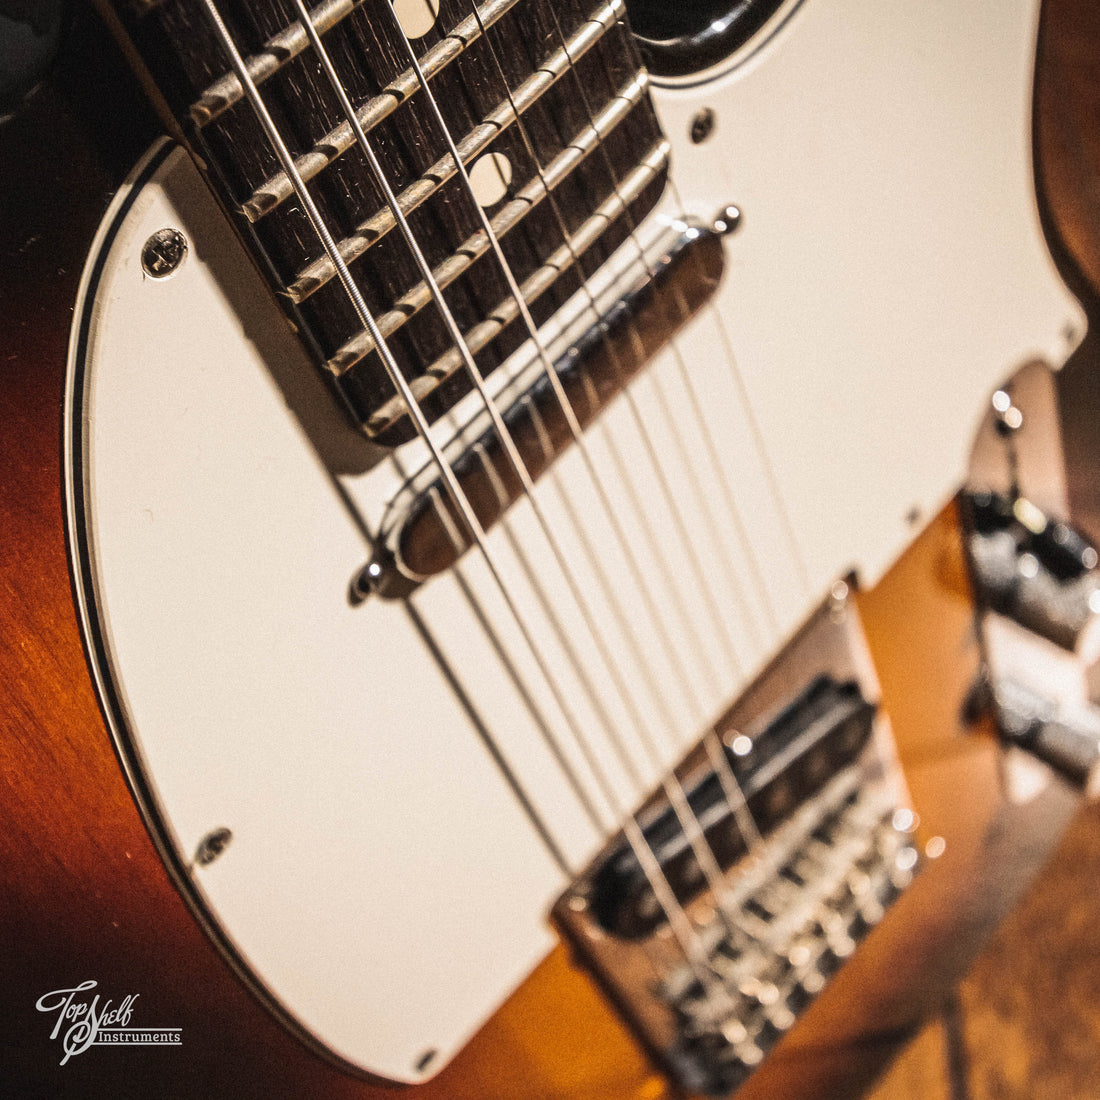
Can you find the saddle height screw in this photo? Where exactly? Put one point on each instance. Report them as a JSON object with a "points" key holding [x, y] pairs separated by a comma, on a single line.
{"points": [[163, 252], [212, 845]]}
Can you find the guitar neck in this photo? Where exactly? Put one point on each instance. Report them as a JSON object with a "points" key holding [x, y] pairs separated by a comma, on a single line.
{"points": [[569, 71]]}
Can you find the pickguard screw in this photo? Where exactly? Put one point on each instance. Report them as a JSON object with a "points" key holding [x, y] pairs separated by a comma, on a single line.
{"points": [[702, 126], [164, 251], [426, 1060], [212, 845]]}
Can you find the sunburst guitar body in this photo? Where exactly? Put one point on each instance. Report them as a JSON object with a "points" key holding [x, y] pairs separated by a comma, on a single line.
{"points": [[514, 731]]}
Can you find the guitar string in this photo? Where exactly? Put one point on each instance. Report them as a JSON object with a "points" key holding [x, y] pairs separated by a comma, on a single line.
{"points": [[350, 113], [505, 658], [669, 587], [725, 559], [731, 789], [601, 492], [735, 797], [643, 587], [521, 471], [503, 433], [681, 926], [716, 751], [771, 474], [656, 549], [704, 856], [736, 587], [550, 373], [519, 792], [669, 782], [671, 591], [450, 481], [746, 819], [674, 792]]}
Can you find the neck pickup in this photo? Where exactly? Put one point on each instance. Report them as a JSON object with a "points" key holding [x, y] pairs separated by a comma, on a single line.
{"points": [[425, 536]]}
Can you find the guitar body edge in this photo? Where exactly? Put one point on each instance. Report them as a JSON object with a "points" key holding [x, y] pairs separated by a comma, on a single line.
{"points": [[87, 897]]}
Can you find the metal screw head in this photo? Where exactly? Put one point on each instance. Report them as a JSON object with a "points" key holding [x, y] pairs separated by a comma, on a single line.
{"points": [[702, 126], [1009, 417], [212, 845], [838, 599], [163, 252], [578, 903], [728, 220]]}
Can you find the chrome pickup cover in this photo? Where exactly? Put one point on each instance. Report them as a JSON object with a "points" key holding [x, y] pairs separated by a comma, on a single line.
{"points": [[826, 852], [615, 340]]}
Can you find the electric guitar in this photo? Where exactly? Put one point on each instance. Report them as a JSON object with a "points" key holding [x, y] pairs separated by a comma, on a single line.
{"points": [[446, 551]]}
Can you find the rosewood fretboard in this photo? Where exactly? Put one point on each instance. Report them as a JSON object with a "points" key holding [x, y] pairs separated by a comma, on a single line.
{"points": [[589, 154]]}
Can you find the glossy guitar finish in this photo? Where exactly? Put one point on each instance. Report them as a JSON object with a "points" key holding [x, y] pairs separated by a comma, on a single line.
{"points": [[89, 898]]}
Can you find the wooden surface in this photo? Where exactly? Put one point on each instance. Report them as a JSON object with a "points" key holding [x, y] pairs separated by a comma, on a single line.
{"points": [[84, 894]]}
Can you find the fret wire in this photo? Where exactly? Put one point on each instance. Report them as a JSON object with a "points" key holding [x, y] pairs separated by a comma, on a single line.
{"points": [[316, 274], [278, 188], [673, 788], [276, 52], [727, 778], [534, 286], [283, 47], [692, 830], [454, 490]]}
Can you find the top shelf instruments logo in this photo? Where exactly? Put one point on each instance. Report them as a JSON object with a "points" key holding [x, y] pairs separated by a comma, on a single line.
{"points": [[80, 1023]]}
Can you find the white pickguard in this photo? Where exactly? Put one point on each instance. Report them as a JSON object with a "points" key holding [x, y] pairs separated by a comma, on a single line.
{"points": [[383, 884]]}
